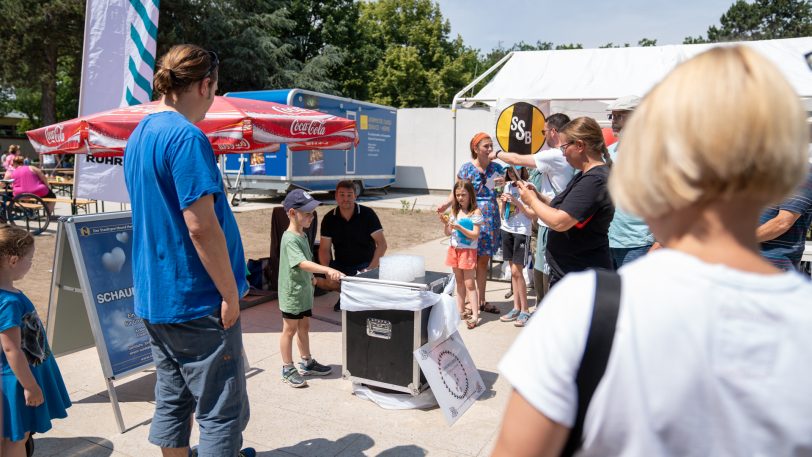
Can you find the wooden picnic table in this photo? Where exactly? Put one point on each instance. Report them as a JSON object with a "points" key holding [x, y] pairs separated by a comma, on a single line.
{"points": [[63, 186]]}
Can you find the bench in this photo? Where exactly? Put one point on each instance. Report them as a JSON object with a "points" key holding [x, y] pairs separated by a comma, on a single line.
{"points": [[75, 204]]}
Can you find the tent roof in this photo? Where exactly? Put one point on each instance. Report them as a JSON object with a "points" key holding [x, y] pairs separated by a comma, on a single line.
{"points": [[609, 73]]}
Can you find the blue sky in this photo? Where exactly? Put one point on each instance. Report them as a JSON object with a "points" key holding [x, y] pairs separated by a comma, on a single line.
{"points": [[484, 23]]}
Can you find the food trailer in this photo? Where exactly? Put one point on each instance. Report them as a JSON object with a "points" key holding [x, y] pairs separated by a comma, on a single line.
{"points": [[370, 164]]}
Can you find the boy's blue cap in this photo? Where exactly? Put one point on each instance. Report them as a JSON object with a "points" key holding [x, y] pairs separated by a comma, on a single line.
{"points": [[300, 200]]}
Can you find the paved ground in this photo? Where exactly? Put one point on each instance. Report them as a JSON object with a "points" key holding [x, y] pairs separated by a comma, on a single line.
{"points": [[325, 419]]}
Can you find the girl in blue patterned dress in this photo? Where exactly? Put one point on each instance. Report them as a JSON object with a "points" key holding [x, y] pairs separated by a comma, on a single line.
{"points": [[484, 175], [33, 390]]}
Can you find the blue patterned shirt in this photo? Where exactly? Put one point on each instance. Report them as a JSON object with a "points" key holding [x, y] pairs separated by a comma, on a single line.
{"points": [[785, 251]]}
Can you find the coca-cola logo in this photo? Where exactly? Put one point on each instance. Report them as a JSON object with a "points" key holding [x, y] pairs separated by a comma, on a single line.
{"points": [[291, 110], [312, 128], [242, 144], [55, 134]]}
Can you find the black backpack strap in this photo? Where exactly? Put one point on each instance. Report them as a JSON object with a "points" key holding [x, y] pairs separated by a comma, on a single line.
{"points": [[597, 350]]}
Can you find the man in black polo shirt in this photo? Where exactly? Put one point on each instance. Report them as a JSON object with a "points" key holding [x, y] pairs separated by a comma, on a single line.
{"points": [[355, 233]]}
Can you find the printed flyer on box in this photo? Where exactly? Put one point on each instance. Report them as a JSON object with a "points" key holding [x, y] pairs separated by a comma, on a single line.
{"points": [[452, 375]]}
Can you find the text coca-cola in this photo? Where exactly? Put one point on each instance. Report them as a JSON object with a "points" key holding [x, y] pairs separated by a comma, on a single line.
{"points": [[312, 127], [55, 134]]}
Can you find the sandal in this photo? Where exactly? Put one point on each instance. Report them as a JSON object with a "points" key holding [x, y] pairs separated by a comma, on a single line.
{"points": [[489, 308], [522, 320], [471, 323], [510, 316], [467, 313]]}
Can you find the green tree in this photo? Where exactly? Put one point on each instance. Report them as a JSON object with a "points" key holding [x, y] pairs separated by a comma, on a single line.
{"points": [[410, 37], [761, 20], [325, 39], [694, 40], [401, 79], [40, 53], [246, 34]]}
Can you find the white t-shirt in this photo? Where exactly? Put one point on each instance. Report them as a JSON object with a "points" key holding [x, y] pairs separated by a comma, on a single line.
{"points": [[706, 361], [557, 173], [458, 240], [516, 221]]}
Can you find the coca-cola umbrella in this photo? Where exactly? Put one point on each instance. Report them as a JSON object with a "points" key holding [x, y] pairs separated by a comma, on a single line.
{"points": [[233, 125]]}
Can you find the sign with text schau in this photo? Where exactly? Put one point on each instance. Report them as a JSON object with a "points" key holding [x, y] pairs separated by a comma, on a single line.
{"points": [[106, 251]]}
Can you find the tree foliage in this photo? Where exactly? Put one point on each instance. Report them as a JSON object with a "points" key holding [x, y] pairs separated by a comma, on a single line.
{"points": [[418, 64], [761, 20], [395, 52], [40, 54], [248, 35]]}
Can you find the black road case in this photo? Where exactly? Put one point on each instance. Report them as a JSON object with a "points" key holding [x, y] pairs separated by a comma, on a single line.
{"points": [[379, 345]]}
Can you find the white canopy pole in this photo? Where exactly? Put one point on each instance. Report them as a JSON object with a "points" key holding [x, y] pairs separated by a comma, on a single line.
{"points": [[456, 101]]}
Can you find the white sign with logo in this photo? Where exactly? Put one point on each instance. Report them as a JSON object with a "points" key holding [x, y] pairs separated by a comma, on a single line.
{"points": [[452, 375]]}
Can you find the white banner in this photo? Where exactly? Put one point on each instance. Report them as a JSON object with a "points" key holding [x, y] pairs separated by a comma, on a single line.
{"points": [[452, 375], [117, 66]]}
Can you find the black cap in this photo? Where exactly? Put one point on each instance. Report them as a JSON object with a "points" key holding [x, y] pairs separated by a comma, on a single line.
{"points": [[300, 200]]}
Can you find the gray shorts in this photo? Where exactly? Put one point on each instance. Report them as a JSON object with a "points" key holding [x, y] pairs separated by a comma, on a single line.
{"points": [[200, 370], [515, 247], [540, 262]]}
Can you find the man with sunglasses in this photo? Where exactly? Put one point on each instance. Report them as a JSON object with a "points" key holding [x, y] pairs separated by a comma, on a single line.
{"points": [[188, 264], [629, 236]]}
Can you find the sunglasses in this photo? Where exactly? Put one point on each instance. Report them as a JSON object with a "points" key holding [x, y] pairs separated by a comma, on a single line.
{"points": [[215, 62]]}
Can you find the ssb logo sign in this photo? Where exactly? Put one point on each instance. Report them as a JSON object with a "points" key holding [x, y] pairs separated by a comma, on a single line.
{"points": [[520, 128]]}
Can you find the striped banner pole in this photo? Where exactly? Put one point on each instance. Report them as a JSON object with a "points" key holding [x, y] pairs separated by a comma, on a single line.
{"points": [[142, 19]]}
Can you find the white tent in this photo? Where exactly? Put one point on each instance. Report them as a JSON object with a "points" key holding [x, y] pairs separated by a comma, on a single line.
{"points": [[605, 74], [581, 81]]}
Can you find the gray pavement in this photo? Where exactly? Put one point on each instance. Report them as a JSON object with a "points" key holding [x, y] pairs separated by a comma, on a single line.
{"points": [[324, 419]]}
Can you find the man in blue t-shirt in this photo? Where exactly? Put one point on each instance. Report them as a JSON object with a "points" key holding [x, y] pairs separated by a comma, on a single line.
{"points": [[629, 236], [782, 230], [188, 264]]}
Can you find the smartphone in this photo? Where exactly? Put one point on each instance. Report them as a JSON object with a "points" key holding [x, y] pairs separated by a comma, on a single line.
{"points": [[516, 173]]}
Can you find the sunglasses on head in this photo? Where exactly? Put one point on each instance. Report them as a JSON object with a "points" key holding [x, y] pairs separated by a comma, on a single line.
{"points": [[215, 62]]}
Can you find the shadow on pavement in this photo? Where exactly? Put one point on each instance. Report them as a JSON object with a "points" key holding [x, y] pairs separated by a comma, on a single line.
{"points": [[86, 446]]}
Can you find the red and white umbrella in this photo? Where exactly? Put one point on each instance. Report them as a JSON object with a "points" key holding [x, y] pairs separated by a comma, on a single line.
{"points": [[233, 125]]}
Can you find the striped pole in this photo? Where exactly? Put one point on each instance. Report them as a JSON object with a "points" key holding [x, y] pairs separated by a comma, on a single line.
{"points": [[142, 22]]}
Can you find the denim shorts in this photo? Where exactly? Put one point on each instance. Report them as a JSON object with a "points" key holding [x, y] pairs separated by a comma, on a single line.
{"points": [[622, 256], [200, 370]]}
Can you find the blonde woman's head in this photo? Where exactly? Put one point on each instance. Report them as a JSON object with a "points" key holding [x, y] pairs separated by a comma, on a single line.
{"points": [[723, 125]]}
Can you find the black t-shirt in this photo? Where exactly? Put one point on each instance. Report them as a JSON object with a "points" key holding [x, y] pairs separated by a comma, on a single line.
{"points": [[352, 239], [585, 245]]}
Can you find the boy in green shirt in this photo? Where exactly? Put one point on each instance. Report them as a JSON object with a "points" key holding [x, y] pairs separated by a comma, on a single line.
{"points": [[296, 283]]}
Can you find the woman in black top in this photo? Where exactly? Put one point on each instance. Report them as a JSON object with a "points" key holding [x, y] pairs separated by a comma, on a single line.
{"points": [[578, 217]]}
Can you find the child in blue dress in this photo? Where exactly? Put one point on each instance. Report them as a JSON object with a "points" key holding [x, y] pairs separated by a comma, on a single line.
{"points": [[33, 390]]}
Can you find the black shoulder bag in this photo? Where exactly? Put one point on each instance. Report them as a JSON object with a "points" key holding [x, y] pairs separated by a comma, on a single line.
{"points": [[596, 352]]}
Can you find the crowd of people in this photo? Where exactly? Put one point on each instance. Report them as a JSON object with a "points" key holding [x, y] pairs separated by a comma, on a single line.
{"points": [[697, 348]]}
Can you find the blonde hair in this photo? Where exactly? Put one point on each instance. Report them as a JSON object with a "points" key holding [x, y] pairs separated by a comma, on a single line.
{"points": [[589, 132], [183, 65], [18, 160], [725, 123], [15, 241]]}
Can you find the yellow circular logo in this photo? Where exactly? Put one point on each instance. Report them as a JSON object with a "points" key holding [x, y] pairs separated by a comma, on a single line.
{"points": [[520, 128]]}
